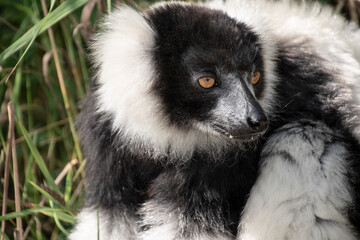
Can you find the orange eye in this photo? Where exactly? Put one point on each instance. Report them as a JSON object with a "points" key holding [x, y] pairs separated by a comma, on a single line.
{"points": [[206, 82], [255, 78]]}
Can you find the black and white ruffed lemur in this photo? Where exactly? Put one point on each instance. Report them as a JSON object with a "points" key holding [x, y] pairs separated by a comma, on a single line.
{"points": [[223, 120]]}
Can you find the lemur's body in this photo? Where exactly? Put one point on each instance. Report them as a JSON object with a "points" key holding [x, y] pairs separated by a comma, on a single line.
{"points": [[171, 158]]}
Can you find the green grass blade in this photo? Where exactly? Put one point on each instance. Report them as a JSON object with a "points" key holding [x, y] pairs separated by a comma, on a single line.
{"points": [[63, 216], [57, 222], [59, 13], [98, 223], [52, 4], [20, 7], [38, 159], [108, 3], [2, 158], [3, 88], [3, 142], [80, 170], [28, 175], [68, 186], [60, 215]]}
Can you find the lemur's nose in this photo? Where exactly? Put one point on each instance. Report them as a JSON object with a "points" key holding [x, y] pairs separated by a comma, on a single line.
{"points": [[257, 121]]}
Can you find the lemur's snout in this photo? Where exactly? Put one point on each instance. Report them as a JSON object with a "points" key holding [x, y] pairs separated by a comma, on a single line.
{"points": [[257, 121]]}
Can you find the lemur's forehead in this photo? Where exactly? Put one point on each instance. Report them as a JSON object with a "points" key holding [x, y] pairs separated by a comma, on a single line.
{"points": [[223, 60], [180, 26]]}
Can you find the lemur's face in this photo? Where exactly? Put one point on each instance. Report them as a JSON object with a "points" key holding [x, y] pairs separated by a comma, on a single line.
{"points": [[210, 71]]}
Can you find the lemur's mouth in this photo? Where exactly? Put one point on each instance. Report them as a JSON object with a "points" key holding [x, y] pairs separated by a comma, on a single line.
{"points": [[244, 136]]}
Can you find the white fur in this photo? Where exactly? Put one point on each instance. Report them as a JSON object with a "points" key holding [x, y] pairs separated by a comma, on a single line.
{"points": [[92, 223], [162, 220], [167, 223], [122, 56], [289, 196]]}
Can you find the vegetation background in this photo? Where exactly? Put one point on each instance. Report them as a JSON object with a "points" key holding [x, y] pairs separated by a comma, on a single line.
{"points": [[44, 73]]}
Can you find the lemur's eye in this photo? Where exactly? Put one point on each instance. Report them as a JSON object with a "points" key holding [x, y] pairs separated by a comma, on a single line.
{"points": [[255, 78], [206, 82]]}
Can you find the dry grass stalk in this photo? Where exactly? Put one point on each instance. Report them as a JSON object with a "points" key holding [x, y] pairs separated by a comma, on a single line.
{"points": [[45, 65], [57, 61], [19, 227], [85, 18], [85, 26], [62, 84], [353, 11], [7, 167], [340, 5]]}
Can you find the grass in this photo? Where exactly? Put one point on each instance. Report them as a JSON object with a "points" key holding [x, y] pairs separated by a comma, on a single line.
{"points": [[40, 156], [44, 73]]}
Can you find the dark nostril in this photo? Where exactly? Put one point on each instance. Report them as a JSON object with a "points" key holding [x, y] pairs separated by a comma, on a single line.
{"points": [[257, 123]]}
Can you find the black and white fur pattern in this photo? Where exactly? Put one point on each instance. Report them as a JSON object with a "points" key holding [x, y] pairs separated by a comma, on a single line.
{"points": [[158, 168], [304, 193]]}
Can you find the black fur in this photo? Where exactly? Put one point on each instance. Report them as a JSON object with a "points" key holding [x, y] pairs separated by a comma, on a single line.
{"points": [[121, 179], [211, 195], [205, 194], [191, 41], [307, 89], [116, 176]]}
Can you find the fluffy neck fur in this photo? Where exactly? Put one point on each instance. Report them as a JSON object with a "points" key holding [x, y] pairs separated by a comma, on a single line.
{"points": [[122, 53]]}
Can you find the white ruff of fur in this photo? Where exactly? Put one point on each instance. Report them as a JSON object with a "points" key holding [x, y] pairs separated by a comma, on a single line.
{"points": [[302, 197], [123, 57], [110, 228]]}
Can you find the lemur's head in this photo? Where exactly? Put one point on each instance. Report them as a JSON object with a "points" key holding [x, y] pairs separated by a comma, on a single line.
{"points": [[182, 77]]}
